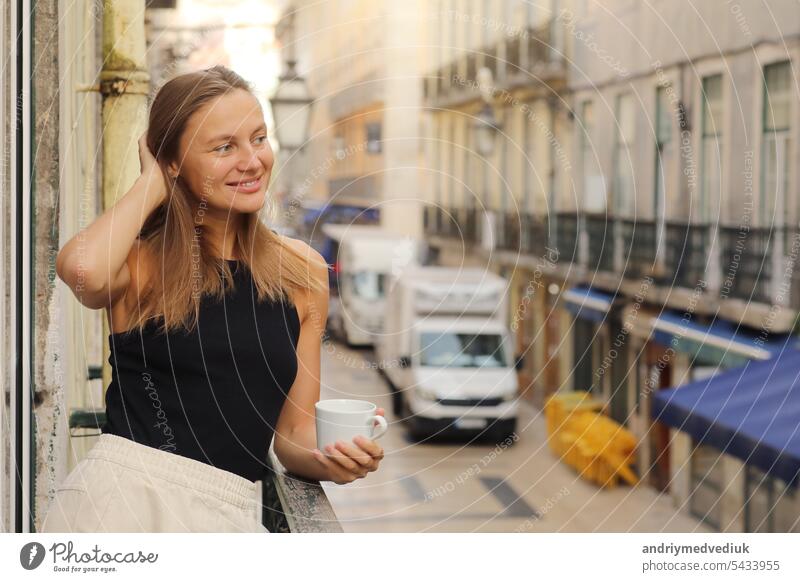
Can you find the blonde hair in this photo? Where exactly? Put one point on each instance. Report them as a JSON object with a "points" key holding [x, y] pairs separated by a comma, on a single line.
{"points": [[171, 236]]}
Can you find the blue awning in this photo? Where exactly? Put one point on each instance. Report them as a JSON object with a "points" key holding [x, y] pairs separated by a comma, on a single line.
{"points": [[719, 342], [752, 413], [588, 303]]}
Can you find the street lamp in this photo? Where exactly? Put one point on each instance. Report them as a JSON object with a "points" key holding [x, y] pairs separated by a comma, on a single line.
{"points": [[486, 127], [291, 109], [486, 124]]}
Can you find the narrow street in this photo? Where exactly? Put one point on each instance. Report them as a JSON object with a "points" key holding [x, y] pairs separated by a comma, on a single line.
{"points": [[451, 487]]}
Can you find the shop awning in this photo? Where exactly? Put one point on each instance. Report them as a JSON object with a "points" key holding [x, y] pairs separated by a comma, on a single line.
{"points": [[717, 343], [588, 303], [752, 413]]}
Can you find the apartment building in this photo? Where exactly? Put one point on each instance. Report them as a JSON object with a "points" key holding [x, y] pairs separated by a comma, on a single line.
{"points": [[362, 62], [638, 193]]}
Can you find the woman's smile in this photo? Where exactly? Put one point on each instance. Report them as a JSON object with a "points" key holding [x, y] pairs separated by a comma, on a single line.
{"points": [[246, 187]]}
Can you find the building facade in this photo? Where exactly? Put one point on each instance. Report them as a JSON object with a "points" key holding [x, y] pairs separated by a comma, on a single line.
{"points": [[639, 192]]}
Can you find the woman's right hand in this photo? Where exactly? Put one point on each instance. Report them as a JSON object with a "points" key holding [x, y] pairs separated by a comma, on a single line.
{"points": [[151, 171]]}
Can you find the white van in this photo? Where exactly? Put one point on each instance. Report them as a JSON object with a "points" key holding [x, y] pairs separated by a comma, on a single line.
{"points": [[447, 352], [367, 258]]}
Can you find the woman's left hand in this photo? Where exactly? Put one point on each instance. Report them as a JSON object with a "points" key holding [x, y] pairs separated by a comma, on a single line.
{"points": [[346, 462]]}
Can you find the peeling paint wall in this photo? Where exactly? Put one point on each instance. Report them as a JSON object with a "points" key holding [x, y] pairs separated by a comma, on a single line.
{"points": [[47, 368]]}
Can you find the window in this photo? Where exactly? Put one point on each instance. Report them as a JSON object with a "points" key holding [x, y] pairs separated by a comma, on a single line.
{"points": [[462, 350], [369, 285], [706, 485], [775, 207], [338, 146], [663, 137], [712, 145], [769, 504], [594, 195], [623, 160], [374, 138]]}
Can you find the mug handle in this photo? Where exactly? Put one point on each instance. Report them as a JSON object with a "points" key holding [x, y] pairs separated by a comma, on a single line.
{"points": [[382, 427]]}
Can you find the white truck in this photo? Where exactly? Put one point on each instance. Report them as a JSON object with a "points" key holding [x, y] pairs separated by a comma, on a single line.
{"points": [[367, 258], [447, 353]]}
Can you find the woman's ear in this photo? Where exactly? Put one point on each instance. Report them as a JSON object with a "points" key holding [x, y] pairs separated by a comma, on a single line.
{"points": [[173, 170]]}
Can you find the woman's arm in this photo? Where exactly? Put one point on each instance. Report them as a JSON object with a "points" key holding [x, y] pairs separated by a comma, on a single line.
{"points": [[93, 262], [296, 432]]}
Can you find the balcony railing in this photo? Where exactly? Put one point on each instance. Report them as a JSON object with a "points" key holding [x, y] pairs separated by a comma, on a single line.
{"points": [[600, 235], [747, 255], [638, 246], [530, 50], [759, 265], [566, 237], [686, 253], [470, 225], [533, 239], [508, 232]]}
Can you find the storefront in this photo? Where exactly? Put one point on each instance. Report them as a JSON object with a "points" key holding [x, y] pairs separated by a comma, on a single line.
{"points": [[745, 443]]}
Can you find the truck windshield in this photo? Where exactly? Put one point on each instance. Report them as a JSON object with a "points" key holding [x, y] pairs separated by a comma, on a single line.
{"points": [[368, 285], [462, 350]]}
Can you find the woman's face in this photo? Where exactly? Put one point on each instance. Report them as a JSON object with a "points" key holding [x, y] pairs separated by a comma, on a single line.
{"points": [[224, 155]]}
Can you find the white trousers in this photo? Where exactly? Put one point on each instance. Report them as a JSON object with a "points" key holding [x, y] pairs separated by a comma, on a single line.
{"points": [[123, 486]]}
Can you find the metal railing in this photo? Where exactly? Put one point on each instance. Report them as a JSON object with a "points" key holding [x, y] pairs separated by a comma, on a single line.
{"points": [[566, 237], [747, 261], [752, 263], [685, 253], [509, 232], [534, 235], [638, 246], [600, 235]]}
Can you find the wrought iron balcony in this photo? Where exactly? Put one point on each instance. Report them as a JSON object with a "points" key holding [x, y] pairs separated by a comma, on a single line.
{"points": [[600, 234], [566, 237], [470, 225], [746, 263], [686, 253], [528, 50], [508, 231], [638, 246], [534, 235]]}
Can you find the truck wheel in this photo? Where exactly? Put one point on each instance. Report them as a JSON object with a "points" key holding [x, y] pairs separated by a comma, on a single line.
{"points": [[412, 429], [397, 403], [504, 431]]}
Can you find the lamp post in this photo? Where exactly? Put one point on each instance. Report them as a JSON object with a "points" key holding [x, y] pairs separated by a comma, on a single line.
{"points": [[291, 109], [486, 127], [291, 104]]}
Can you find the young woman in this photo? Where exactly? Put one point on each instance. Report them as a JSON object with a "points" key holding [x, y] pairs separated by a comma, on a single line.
{"points": [[216, 325]]}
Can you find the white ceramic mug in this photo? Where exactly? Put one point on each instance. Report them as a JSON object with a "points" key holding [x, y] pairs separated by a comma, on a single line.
{"points": [[342, 419]]}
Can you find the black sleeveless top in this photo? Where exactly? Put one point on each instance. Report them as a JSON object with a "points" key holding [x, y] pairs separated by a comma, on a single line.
{"points": [[214, 394]]}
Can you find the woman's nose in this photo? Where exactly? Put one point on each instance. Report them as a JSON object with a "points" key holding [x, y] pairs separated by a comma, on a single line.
{"points": [[249, 159]]}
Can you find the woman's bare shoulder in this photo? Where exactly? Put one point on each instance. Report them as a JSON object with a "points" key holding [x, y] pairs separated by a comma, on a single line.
{"points": [[319, 270], [141, 265]]}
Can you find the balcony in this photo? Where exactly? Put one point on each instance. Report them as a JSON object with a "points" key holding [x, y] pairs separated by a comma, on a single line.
{"points": [[457, 223], [747, 255], [600, 236], [533, 239], [686, 253], [566, 237], [638, 247], [431, 215], [508, 232], [528, 58]]}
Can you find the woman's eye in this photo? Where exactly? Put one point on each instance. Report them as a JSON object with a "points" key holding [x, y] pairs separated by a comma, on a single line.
{"points": [[263, 138], [219, 149]]}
